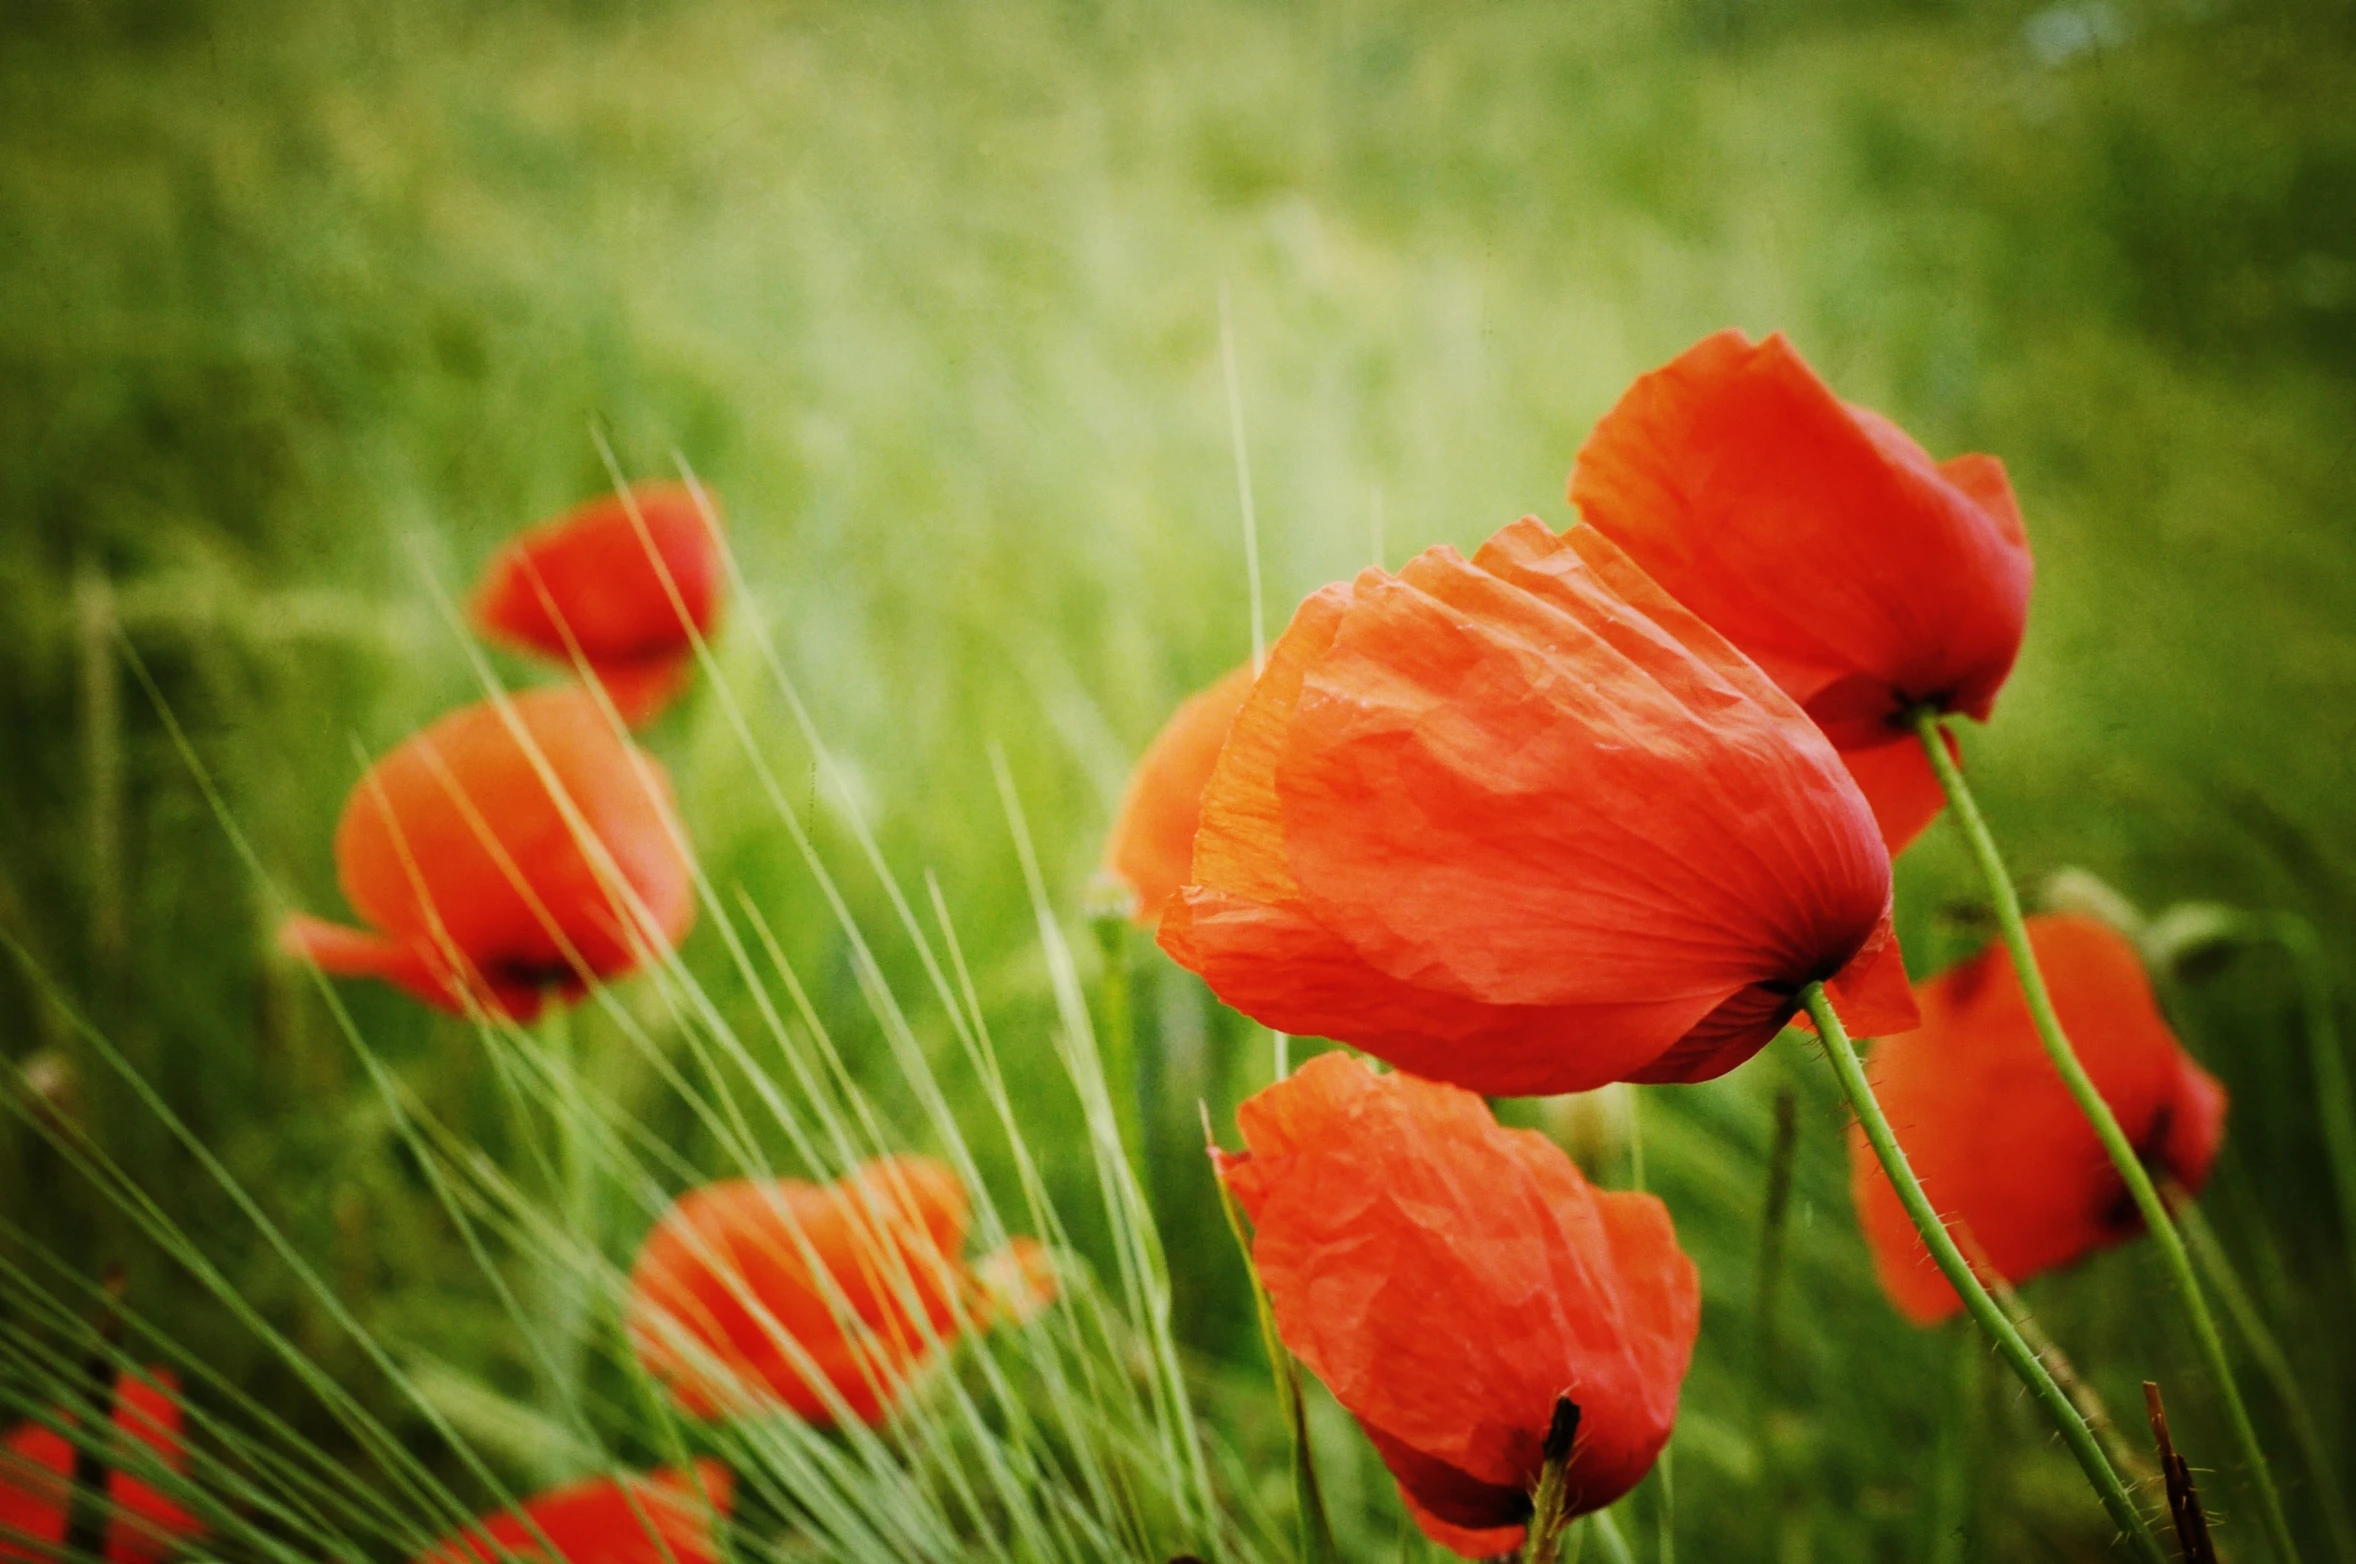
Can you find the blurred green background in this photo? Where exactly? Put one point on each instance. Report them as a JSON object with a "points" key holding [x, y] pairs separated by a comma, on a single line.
{"points": [[305, 306]]}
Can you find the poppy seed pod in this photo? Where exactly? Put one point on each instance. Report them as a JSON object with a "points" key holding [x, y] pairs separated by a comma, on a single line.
{"points": [[670, 1517], [37, 1481], [628, 602], [1450, 1280], [1864, 577], [480, 880], [1523, 824], [825, 1298], [1150, 849], [1994, 1135]]}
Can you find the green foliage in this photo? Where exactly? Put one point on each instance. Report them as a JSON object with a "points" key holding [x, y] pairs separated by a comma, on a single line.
{"points": [[304, 307]]}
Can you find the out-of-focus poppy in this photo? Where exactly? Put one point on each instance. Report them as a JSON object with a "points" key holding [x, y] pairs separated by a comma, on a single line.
{"points": [[1523, 824], [752, 1293], [1864, 577], [592, 576], [1151, 847], [669, 1517], [479, 879], [1994, 1135], [1448, 1280], [37, 1481]]}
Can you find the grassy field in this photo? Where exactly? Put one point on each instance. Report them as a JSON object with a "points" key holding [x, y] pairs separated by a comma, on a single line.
{"points": [[303, 308]]}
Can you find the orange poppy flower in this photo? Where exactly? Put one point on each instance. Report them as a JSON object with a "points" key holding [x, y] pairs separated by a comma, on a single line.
{"points": [[1865, 578], [1523, 824], [479, 880], [591, 576], [37, 1481], [1151, 847], [1448, 1280], [1994, 1135], [669, 1517], [820, 1297]]}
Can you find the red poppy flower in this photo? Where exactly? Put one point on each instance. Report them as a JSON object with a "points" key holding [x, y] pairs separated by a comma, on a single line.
{"points": [[479, 879], [1523, 824], [37, 1478], [591, 580], [754, 1292], [1994, 1135], [1865, 578], [669, 1517], [1448, 1280], [1151, 847]]}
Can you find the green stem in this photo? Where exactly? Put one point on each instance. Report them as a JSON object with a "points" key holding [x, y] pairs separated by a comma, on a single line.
{"points": [[567, 1290], [1983, 1309], [2267, 1353], [2106, 1126]]}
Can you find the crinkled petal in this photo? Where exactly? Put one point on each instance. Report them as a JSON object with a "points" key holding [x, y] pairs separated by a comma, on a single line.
{"points": [[1448, 1280], [1522, 823], [1150, 848], [1897, 780], [1817, 536]]}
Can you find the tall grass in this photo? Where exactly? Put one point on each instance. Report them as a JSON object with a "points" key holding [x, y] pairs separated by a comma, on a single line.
{"points": [[306, 306]]}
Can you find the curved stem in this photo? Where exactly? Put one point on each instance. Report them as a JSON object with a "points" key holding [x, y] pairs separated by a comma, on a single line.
{"points": [[2106, 1127], [2274, 1365], [1983, 1309]]}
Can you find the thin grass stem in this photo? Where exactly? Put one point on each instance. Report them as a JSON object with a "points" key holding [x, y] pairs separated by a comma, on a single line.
{"points": [[1116, 1004], [2106, 1126], [1850, 1073], [2275, 1366], [1607, 1534]]}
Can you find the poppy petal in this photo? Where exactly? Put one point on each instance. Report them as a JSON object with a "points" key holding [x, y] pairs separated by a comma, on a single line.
{"points": [[348, 952], [36, 1480], [1448, 1280], [1521, 823], [669, 1517], [1150, 848], [1897, 780], [1994, 1135], [750, 1294], [514, 849], [641, 690], [626, 595], [1817, 536]]}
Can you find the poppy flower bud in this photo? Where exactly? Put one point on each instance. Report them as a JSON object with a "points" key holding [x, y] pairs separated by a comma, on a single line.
{"points": [[478, 880], [1523, 824], [1864, 577], [754, 1293], [1151, 846], [669, 1517], [1451, 1282], [630, 603], [1989, 1128], [37, 1481]]}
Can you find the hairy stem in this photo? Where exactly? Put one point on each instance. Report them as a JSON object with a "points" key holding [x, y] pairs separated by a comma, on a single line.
{"points": [[1850, 1073], [2106, 1126]]}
